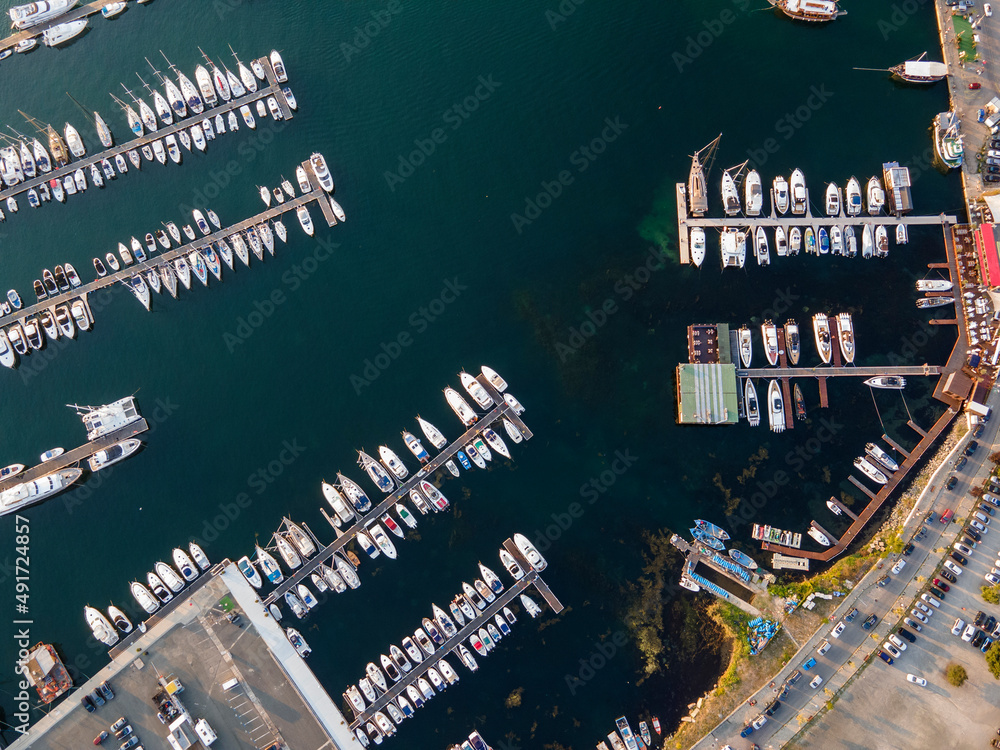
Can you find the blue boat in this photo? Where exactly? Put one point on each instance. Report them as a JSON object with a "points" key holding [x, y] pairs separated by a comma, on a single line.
{"points": [[824, 241], [745, 560], [707, 539], [711, 529], [464, 461]]}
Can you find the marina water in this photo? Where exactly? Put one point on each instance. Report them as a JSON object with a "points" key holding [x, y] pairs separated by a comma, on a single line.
{"points": [[506, 171]]}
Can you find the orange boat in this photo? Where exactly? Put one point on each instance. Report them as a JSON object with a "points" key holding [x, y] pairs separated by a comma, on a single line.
{"points": [[47, 673]]}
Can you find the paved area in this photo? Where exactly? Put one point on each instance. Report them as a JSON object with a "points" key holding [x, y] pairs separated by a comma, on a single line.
{"points": [[855, 647], [199, 647]]}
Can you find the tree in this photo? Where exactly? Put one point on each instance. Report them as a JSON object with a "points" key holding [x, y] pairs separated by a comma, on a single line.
{"points": [[991, 594], [956, 674], [993, 660], [976, 492], [995, 457]]}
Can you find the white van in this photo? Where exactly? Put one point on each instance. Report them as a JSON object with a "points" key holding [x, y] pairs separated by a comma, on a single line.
{"points": [[900, 564], [230, 684], [205, 732]]}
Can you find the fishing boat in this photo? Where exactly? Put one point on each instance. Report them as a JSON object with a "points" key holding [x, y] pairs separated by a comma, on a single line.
{"points": [[919, 70], [761, 249], [775, 407], [626, 732], [697, 246], [819, 536], [710, 528], [769, 332], [746, 347], [927, 302], [800, 403], [845, 330], [832, 199], [780, 191], [816, 11], [799, 195], [867, 468], [947, 140], [881, 242], [794, 241], [644, 734], [934, 285], [793, 345], [810, 241], [745, 560], [753, 193], [834, 507], [751, 403], [875, 196], [821, 329], [882, 457], [730, 195]]}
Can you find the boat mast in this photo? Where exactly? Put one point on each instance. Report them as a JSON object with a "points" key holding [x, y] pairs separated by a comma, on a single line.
{"points": [[130, 94], [234, 54], [157, 73], [170, 64]]}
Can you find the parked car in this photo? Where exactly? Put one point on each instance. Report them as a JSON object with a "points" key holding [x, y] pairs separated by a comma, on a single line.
{"points": [[978, 432], [930, 600], [835, 633], [978, 638], [118, 724], [904, 633], [979, 526], [96, 696], [851, 615], [88, 704], [772, 707], [970, 538], [952, 480], [937, 592], [100, 738], [129, 743], [975, 85], [793, 677], [806, 666], [987, 509], [988, 9], [960, 559], [992, 578], [960, 463], [908, 549], [891, 649], [883, 580], [948, 576], [924, 608], [991, 499], [991, 622], [106, 691], [919, 615], [900, 564], [973, 446], [896, 641], [823, 647], [987, 642], [816, 682], [981, 517], [870, 622], [958, 627], [962, 548], [885, 657], [916, 680], [912, 624], [124, 732]]}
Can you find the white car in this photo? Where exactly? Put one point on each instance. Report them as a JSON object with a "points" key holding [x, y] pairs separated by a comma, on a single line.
{"points": [[996, 563], [912, 624], [958, 626], [970, 630], [992, 578], [930, 600], [919, 615], [816, 682], [988, 10], [823, 647], [956, 569], [993, 152], [916, 680], [893, 651], [897, 642], [963, 549], [900, 564], [924, 608], [835, 633], [979, 527]]}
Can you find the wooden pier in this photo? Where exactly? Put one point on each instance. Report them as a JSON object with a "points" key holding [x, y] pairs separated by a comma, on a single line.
{"points": [[844, 509], [167, 256], [326, 553], [827, 371], [785, 562], [75, 14], [273, 89], [76, 455]]}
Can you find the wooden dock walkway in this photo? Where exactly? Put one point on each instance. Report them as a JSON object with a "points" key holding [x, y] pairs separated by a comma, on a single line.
{"points": [[326, 553], [873, 506], [76, 455], [827, 371], [844, 509], [274, 89], [75, 14], [167, 256], [896, 446]]}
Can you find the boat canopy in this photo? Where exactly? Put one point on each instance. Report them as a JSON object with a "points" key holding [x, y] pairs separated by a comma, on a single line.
{"points": [[924, 69]]}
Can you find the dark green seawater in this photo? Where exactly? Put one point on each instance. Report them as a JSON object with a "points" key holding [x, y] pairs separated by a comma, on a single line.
{"points": [[229, 389]]}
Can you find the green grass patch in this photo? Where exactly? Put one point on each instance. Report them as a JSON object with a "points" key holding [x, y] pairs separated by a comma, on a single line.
{"points": [[227, 604], [963, 35]]}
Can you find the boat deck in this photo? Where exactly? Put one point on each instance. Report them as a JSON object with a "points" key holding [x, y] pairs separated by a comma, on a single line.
{"points": [[74, 14], [76, 455], [450, 646], [159, 258], [401, 493], [273, 89]]}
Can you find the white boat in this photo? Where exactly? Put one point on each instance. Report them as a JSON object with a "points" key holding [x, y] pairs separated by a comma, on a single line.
{"points": [[434, 495], [875, 195], [775, 407], [432, 433], [101, 628], [188, 570], [819, 536], [531, 554], [761, 249], [204, 81], [170, 142], [63, 32], [734, 248], [902, 235], [144, 598], [746, 346], [697, 246], [32, 14], [338, 211], [934, 285], [751, 403], [780, 188], [295, 604], [305, 220], [780, 242], [881, 242], [392, 462], [287, 552], [120, 619], [113, 454], [769, 332], [928, 302], [845, 330], [353, 492], [347, 572], [529, 604], [832, 199], [199, 556], [198, 137], [304, 185], [183, 271], [834, 507], [474, 389], [298, 642], [306, 596], [321, 171], [461, 408], [28, 493], [882, 457], [248, 117], [168, 576], [794, 241], [302, 541], [799, 196], [867, 241], [496, 442], [279, 67], [836, 240], [730, 195], [821, 329], [380, 538], [850, 242], [753, 193], [375, 472], [867, 468], [74, 141]]}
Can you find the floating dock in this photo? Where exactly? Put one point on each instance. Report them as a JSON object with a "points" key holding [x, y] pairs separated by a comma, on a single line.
{"points": [[75, 14], [326, 553], [272, 89]]}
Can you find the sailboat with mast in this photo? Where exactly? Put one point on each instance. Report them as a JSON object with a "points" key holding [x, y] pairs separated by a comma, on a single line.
{"points": [[697, 186], [159, 103], [174, 96], [134, 123], [103, 131], [248, 78], [57, 146], [730, 195], [145, 112], [188, 90]]}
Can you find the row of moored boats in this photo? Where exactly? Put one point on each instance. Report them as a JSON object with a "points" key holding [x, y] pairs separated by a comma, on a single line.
{"points": [[26, 17], [426, 651], [626, 739]]}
